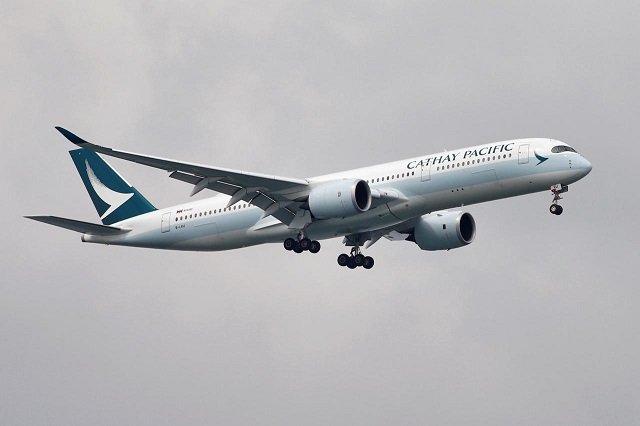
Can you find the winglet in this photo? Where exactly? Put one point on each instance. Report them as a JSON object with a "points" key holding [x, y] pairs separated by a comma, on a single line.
{"points": [[73, 138]]}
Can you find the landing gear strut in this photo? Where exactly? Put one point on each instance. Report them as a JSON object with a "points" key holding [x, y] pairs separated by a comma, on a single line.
{"points": [[301, 244], [556, 190], [355, 259]]}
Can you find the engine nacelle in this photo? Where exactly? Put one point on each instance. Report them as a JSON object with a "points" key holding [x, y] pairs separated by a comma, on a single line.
{"points": [[444, 230], [340, 198]]}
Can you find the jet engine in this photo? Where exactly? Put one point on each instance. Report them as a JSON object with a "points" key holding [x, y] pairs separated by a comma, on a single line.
{"points": [[444, 230], [340, 198]]}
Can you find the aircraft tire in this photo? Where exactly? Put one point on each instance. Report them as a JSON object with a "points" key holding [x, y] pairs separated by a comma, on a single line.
{"points": [[314, 247], [343, 259], [289, 244], [368, 262], [305, 243], [351, 264]]}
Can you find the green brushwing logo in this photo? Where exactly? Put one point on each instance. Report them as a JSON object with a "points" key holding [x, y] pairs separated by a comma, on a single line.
{"points": [[540, 158]]}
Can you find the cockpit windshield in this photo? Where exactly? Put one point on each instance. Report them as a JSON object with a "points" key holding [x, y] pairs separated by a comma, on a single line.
{"points": [[562, 148]]}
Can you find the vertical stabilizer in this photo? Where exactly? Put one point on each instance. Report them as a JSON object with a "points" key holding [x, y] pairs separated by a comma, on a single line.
{"points": [[113, 197]]}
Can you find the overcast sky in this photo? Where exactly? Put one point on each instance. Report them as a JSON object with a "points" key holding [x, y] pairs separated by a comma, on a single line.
{"points": [[537, 322]]}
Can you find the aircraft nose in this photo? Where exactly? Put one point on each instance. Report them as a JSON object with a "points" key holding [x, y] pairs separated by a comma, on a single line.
{"points": [[584, 166]]}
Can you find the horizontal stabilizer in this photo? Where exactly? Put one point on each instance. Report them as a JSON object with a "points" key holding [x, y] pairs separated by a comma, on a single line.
{"points": [[79, 226]]}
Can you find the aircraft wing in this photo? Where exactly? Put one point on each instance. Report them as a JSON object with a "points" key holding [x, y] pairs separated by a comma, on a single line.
{"points": [[278, 196]]}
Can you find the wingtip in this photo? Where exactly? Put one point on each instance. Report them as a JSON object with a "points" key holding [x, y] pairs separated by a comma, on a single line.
{"points": [[72, 138]]}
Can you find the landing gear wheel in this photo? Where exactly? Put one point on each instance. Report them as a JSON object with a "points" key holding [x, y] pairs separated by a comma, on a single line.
{"points": [[305, 243], [297, 247], [358, 259], [555, 209], [343, 259], [368, 262], [351, 263], [289, 244], [314, 247]]}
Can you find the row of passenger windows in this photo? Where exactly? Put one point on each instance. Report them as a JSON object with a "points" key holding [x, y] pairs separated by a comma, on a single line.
{"points": [[438, 168], [211, 212], [454, 165], [391, 177]]}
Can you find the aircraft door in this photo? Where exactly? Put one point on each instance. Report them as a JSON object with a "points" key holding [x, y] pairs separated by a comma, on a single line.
{"points": [[523, 154], [425, 173], [165, 226]]}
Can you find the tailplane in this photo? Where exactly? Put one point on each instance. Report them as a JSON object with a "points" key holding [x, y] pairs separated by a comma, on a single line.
{"points": [[113, 197], [79, 226]]}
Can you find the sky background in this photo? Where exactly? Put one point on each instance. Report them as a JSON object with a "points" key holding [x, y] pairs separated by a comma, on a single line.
{"points": [[536, 322]]}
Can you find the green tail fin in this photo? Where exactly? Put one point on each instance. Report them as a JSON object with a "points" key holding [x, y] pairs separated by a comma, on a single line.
{"points": [[113, 197]]}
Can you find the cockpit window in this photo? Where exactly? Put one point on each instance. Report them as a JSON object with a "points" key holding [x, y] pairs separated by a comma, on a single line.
{"points": [[562, 148]]}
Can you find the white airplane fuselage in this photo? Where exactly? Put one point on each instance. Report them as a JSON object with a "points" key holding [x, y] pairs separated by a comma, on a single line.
{"points": [[405, 191]]}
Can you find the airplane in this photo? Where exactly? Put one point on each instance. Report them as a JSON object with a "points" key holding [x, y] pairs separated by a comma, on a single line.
{"points": [[406, 200]]}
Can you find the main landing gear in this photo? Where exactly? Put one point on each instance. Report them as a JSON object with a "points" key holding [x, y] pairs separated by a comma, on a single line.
{"points": [[301, 244], [556, 190], [355, 259]]}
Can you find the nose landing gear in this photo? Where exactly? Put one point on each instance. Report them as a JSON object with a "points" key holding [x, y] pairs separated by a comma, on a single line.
{"points": [[556, 190]]}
